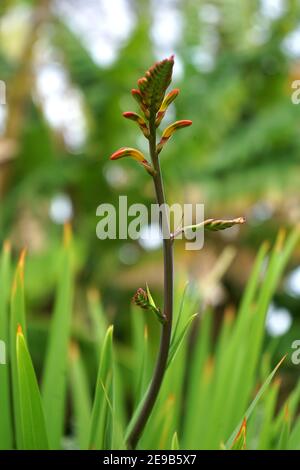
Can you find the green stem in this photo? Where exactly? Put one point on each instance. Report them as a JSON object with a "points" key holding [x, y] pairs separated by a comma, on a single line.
{"points": [[162, 358]]}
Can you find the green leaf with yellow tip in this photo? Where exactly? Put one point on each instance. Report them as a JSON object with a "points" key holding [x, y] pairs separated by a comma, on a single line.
{"points": [[54, 383], [101, 429], [239, 442], [285, 430], [17, 317], [80, 396], [254, 402], [32, 420], [6, 427], [175, 442]]}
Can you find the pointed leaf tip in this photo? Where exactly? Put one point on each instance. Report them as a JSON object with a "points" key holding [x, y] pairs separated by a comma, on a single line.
{"points": [[19, 330], [286, 413], [239, 442], [110, 330], [73, 351], [255, 401], [67, 233], [7, 246], [19, 275], [22, 257]]}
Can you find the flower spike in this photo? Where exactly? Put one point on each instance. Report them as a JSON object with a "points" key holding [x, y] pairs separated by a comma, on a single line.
{"points": [[169, 131], [153, 100]]}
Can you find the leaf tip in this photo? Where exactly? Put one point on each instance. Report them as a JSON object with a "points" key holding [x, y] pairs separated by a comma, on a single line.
{"points": [[19, 330], [110, 330], [280, 240], [19, 276], [286, 413], [239, 442], [6, 246], [146, 333], [282, 360], [73, 351], [22, 257], [67, 234]]}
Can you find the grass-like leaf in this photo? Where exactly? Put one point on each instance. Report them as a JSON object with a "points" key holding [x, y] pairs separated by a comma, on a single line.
{"points": [[80, 397], [285, 430], [178, 339], [17, 317], [32, 421], [56, 362], [254, 403], [294, 439], [102, 414], [175, 442], [98, 319], [6, 432], [239, 442]]}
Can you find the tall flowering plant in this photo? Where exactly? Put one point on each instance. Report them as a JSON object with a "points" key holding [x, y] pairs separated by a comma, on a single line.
{"points": [[153, 101]]}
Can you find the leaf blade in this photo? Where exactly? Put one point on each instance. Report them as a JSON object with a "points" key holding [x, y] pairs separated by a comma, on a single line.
{"points": [[55, 372], [6, 430], [34, 436]]}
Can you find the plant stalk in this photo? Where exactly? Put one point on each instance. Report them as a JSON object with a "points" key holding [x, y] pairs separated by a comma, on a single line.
{"points": [[162, 358]]}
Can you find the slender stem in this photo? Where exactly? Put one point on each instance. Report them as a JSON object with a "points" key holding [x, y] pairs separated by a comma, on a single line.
{"points": [[162, 358]]}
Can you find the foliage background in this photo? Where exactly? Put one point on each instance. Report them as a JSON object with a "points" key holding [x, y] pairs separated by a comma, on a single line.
{"points": [[69, 65]]}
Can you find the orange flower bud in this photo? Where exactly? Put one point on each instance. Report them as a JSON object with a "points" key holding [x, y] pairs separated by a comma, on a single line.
{"points": [[128, 152], [169, 131], [139, 120], [137, 95], [135, 154], [169, 98]]}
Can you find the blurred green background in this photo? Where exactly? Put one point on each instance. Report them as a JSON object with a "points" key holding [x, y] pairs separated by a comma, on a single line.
{"points": [[69, 66]]}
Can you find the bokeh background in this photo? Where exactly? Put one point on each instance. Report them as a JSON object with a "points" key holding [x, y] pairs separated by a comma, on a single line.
{"points": [[69, 66]]}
